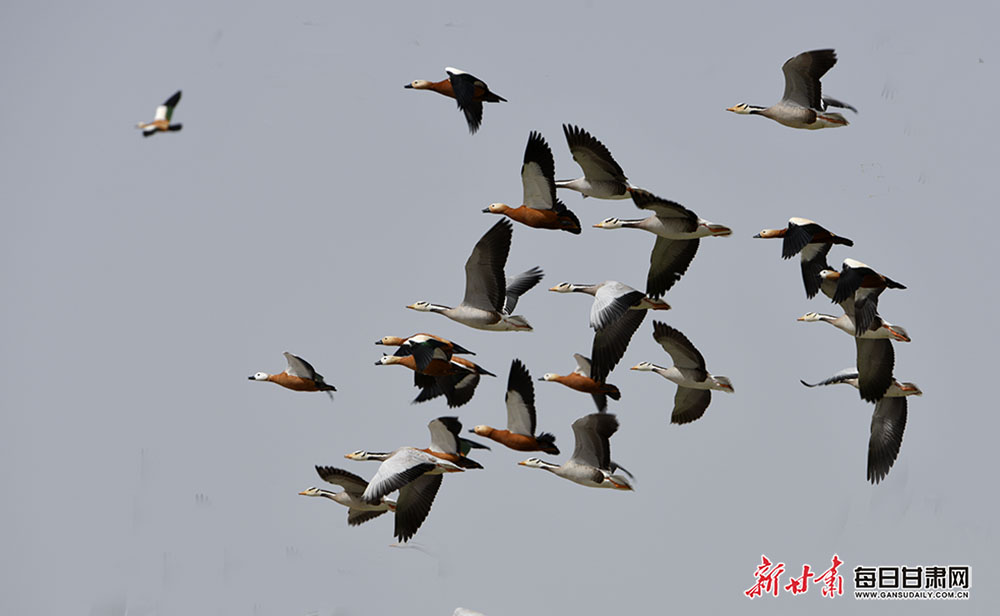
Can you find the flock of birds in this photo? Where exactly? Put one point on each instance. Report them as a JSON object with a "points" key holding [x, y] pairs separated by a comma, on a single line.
{"points": [[616, 313]]}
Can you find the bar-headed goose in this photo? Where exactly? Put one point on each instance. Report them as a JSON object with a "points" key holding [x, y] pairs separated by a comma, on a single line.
{"points": [[591, 464], [813, 242], [603, 177], [845, 324], [580, 380], [888, 421], [520, 399], [694, 383], [489, 301], [541, 208], [417, 476], [802, 105], [616, 313], [468, 91], [298, 376], [677, 229], [161, 121], [358, 511]]}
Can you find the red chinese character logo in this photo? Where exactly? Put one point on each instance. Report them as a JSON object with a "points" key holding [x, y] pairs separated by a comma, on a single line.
{"points": [[800, 585], [831, 581], [767, 578]]}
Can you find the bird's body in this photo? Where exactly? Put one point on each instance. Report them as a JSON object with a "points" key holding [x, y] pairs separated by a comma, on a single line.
{"points": [[468, 91], [810, 240], [858, 287], [678, 232], [802, 104], [688, 372], [446, 443], [520, 401], [616, 313], [298, 376], [541, 209], [455, 378], [489, 300], [603, 177], [580, 380], [417, 476], [888, 420], [161, 121], [591, 464], [359, 511]]}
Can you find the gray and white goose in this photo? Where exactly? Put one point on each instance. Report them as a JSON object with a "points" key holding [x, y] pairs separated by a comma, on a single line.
{"points": [[678, 230], [591, 464], [616, 313], [358, 511], [489, 300], [694, 383], [603, 177], [888, 421], [417, 476], [802, 105]]}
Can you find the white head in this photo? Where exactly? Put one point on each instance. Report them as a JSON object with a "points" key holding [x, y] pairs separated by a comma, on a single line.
{"points": [[829, 274], [418, 84], [260, 376], [496, 208], [643, 367], [311, 492], [532, 462], [609, 223], [809, 317], [742, 109], [563, 287], [548, 376], [421, 306], [388, 360], [359, 455], [482, 430]]}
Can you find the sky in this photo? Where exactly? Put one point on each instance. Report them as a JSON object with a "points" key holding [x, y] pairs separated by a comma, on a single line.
{"points": [[309, 198]]}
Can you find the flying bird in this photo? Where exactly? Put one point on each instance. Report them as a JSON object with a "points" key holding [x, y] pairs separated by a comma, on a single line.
{"points": [[888, 421], [813, 242], [591, 464], [520, 400], [580, 380], [469, 93], [616, 313], [455, 378], [299, 376], [541, 209], [417, 476], [603, 177], [358, 511], [489, 301], [694, 383], [802, 104], [161, 121], [678, 230]]}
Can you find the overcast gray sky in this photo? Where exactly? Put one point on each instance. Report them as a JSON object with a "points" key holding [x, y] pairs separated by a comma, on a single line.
{"points": [[310, 197]]}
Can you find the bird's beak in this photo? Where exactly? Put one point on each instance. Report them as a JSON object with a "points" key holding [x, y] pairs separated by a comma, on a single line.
{"points": [[539, 378], [378, 342], [521, 463], [486, 211], [411, 307], [635, 367], [378, 363], [757, 236], [553, 288], [408, 86], [730, 108], [303, 493], [802, 318], [251, 378], [599, 225]]}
